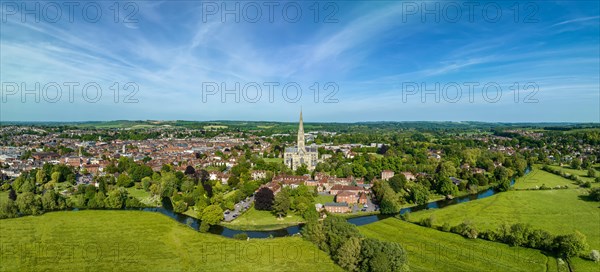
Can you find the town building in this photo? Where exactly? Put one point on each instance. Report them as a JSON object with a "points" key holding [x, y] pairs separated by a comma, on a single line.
{"points": [[337, 207], [299, 155], [387, 174]]}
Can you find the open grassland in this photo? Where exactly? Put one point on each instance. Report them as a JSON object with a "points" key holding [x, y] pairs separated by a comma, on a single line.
{"points": [[557, 211], [262, 220], [142, 241], [433, 250], [538, 177]]}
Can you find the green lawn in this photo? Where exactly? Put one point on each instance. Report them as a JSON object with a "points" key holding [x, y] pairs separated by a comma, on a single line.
{"points": [[278, 160], [433, 250], [142, 241], [538, 177], [143, 196], [262, 220], [557, 211], [324, 199]]}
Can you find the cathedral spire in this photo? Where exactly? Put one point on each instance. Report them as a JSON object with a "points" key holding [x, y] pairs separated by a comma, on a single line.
{"points": [[301, 134]]}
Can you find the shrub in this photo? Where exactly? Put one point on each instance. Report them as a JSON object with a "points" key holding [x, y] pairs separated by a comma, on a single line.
{"points": [[586, 184], [446, 227], [595, 256], [427, 222], [241, 236]]}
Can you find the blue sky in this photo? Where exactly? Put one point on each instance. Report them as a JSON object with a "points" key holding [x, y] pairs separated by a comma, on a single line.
{"points": [[377, 58]]}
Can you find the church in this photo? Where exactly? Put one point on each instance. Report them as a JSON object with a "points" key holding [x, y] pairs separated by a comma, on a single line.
{"points": [[296, 156]]}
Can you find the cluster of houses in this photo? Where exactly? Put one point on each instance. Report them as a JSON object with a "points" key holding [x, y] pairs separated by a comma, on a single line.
{"points": [[346, 191]]}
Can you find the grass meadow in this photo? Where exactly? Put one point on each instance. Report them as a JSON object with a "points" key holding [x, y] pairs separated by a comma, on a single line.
{"points": [[142, 241], [558, 211], [433, 250], [254, 219]]}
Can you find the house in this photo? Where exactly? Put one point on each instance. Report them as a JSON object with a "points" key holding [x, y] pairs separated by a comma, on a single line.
{"points": [[347, 197], [273, 186], [362, 199], [338, 188], [259, 174], [291, 181], [455, 181], [387, 174], [409, 176], [333, 207]]}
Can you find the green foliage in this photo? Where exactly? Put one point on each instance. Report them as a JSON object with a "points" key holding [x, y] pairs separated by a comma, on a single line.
{"points": [[594, 194], [570, 245], [419, 194], [281, 204], [348, 254], [212, 215], [241, 236], [263, 199]]}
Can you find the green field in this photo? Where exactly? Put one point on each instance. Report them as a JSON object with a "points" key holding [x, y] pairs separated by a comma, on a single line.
{"points": [[142, 241], [262, 220], [538, 177], [143, 196], [433, 250], [324, 199], [558, 211], [277, 160]]}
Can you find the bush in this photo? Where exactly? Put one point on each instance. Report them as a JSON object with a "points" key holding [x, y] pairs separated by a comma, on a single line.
{"points": [[595, 256], [586, 184], [241, 236], [427, 222], [466, 229], [446, 227], [204, 227]]}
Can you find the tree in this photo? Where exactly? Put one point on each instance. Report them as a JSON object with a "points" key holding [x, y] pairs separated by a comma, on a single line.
{"points": [[29, 204], [12, 195], [591, 172], [212, 214], [348, 256], [576, 163], [446, 187], [124, 180], [8, 209], [397, 182], [189, 170], [419, 194], [281, 204], [570, 245], [503, 185], [263, 200], [302, 170], [49, 200], [116, 199], [594, 194]]}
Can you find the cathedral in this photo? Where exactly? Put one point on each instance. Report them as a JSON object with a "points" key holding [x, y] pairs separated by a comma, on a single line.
{"points": [[296, 156]]}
